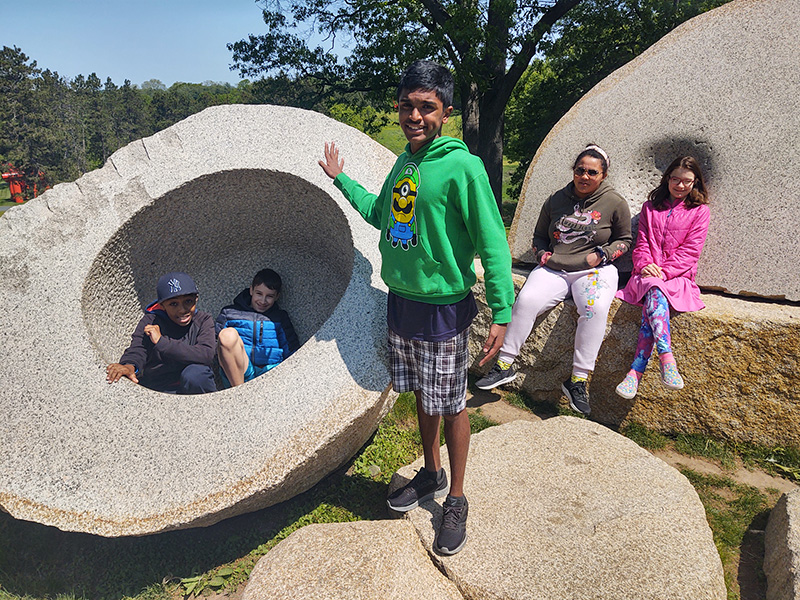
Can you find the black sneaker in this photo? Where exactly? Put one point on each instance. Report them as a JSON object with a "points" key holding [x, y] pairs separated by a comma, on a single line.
{"points": [[578, 396], [453, 532], [495, 377], [425, 486]]}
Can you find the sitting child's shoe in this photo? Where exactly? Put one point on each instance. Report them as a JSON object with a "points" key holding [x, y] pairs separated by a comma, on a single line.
{"points": [[501, 373], [670, 376], [629, 386]]}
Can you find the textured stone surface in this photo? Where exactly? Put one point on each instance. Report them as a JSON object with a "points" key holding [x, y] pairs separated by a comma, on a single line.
{"points": [[722, 87], [739, 359], [566, 508], [782, 549], [221, 194], [350, 561]]}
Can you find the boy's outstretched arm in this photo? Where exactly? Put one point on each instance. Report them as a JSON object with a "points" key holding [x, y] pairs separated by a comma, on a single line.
{"points": [[494, 341], [116, 371], [332, 165]]}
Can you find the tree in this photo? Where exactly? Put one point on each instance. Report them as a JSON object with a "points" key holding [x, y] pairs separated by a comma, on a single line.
{"points": [[17, 73], [488, 43], [594, 39]]}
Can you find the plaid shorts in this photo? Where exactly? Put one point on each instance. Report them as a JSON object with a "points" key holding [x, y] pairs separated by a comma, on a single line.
{"points": [[438, 369]]}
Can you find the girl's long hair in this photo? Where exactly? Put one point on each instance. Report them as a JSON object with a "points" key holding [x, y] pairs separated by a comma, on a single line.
{"points": [[697, 196]]}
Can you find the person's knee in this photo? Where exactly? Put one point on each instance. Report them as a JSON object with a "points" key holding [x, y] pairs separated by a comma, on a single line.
{"points": [[197, 379], [229, 338]]}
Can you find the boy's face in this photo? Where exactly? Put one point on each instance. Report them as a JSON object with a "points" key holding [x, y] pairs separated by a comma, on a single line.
{"points": [[180, 309], [421, 115], [262, 298]]}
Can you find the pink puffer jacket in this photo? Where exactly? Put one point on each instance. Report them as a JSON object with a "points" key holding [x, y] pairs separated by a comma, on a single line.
{"points": [[673, 239]]}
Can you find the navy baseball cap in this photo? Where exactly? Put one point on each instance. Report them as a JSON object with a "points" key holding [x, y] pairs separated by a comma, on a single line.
{"points": [[174, 284]]}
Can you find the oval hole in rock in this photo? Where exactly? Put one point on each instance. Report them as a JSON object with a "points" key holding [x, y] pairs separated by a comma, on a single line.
{"points": [[221, 229]]}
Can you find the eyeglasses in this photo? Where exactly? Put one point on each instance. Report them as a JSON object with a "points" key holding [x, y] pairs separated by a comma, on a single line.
{"points": [[579, 171], [685, 182]]}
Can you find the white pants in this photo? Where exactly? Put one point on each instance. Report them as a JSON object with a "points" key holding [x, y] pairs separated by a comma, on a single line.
{"points": [[592, 291]]}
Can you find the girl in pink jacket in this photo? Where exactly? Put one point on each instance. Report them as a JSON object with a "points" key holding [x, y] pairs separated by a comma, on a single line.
{"points": [[672, 230]]}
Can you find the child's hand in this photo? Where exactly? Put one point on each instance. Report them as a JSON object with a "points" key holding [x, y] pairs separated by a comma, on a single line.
{"points": [[653, 270], [116, 371], [545, 257], [153, 332], [332, 165]]}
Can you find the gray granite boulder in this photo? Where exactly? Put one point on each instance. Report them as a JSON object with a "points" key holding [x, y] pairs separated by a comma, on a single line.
{"points": [[566, 508], [782, 549], [739, 359], [220, 195], [365, 560], [722, 87]]}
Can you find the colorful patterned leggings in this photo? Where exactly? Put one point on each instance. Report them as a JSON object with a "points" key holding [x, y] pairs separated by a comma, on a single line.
{"points": [[654, 329]]}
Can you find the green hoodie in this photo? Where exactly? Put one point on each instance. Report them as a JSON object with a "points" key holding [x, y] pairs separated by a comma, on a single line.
{"points": [[435, 211]]}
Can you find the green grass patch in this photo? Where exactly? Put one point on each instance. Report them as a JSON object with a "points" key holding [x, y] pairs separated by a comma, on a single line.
{"points": [[651, 440], [478, 421], [732, 510]]}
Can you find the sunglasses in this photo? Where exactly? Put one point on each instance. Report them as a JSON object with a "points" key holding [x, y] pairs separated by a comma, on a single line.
{"points": [[579, 171]]}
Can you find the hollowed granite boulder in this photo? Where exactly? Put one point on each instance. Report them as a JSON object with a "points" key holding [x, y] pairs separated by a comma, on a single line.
{"points": [[220, 195]]}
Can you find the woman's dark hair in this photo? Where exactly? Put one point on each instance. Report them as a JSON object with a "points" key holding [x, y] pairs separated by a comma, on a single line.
{"points": [[594, 151], [698, 194], [429, 76], [269, 278]]}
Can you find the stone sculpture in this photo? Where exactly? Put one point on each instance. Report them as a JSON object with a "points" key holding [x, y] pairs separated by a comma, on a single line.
{"points": [[723, 88], [219, 195]]}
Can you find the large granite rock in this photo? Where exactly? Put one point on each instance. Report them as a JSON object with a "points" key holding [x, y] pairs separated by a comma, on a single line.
{"points": [[567, 509], [350, 561], [722, 87], [739, 359], [220, 195], [782, 549]]}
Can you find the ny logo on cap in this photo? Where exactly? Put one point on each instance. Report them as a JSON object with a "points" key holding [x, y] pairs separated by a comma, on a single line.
{"points": [[174, 286]]}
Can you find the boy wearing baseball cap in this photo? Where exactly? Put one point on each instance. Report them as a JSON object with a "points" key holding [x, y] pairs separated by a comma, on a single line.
{"points": [[173, 346]]}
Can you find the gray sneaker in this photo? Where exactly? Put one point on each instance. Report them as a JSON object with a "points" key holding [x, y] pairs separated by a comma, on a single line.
{"points": [[495, 377], [578, 396], [453, 532], [423, 487]]}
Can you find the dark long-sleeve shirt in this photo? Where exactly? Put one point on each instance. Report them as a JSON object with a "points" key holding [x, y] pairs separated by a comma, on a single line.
{"points": [[162, 363]]}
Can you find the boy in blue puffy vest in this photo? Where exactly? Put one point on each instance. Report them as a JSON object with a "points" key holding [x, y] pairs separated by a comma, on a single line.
{"points": [[254, 334]]}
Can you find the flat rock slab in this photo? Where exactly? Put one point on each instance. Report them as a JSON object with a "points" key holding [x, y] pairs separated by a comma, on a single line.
{"points": [[738, 357], [350, 561], [222, 194], [723, 88], [782, 549], [566, 508]]}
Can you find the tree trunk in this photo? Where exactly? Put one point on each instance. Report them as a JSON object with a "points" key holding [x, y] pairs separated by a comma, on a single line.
{"points": [[470, 115], [490, 144]]}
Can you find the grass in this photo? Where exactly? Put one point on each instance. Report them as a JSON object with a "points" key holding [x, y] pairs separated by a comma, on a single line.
{"points": [[735, 513]]}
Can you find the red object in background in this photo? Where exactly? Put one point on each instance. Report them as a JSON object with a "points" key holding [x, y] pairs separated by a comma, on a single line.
{"points": [[16, 183]]}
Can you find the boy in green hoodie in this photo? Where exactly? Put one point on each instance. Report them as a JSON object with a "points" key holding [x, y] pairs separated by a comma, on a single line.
{"points": [[436, 210]]}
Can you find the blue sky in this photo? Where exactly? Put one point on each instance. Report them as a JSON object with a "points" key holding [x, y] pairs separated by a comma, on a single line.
{"points": [[169, 40]]}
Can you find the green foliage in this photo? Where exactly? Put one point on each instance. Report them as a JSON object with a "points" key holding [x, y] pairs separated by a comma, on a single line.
{"points": [[365, 118], [591, 41], [488, 44]]}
